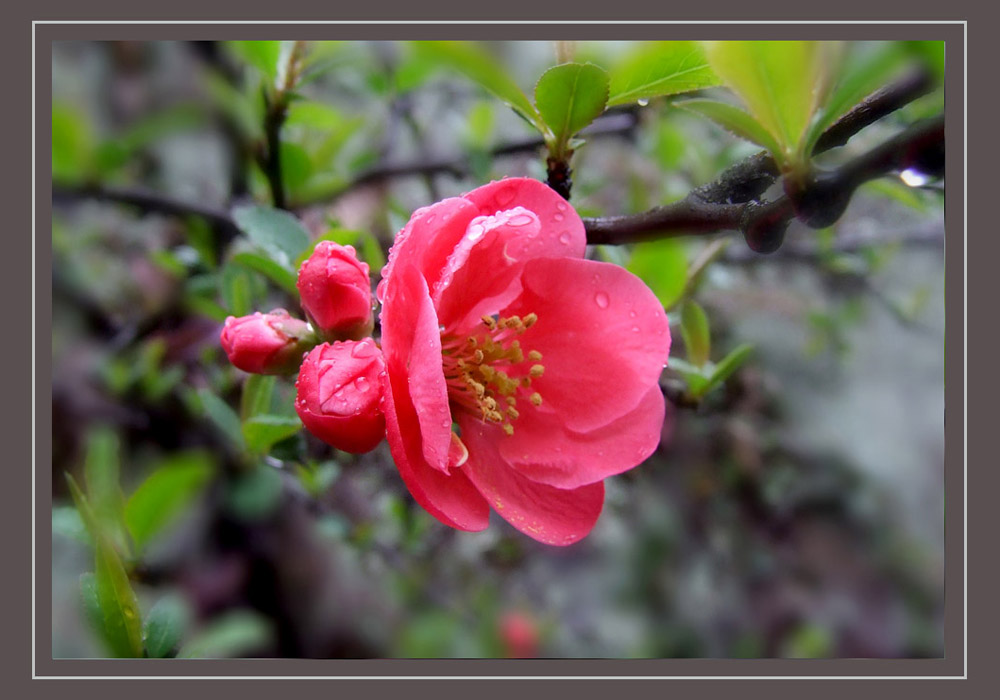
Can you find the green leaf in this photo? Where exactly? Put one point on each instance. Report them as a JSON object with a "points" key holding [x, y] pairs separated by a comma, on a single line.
{"points": [[729, 364], [662, 265], [478, 65], [277, 232], [737, 121], [262, 55], [281, 275], [658, 69], [91, 604], [694, 329], [231, 635], [236, 289], [263, 432], [166, 493], [72, 144], [570, 96], [222, 415], [256, 398], [255, 494], [781, 82], [66, 522], [165, 626], [859, 78], [120, 619], [101, 473]]}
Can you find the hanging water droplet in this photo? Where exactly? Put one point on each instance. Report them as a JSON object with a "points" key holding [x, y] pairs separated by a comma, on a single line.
{"points": [[602, 300]]}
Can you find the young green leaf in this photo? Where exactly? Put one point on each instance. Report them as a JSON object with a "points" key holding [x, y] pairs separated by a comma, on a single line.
{"points": [[165, 493], [222, 415], [694, 329], [663, 266], [476, 64], [782, 82], [101, 473], [570, 96], [256, 397], [282, 275], [262, 432], [165, 626], [658, 69], [737, 121], [236, 289], [262, 55], [119, 609], [231, 635], [277, 232], [729, 364]]}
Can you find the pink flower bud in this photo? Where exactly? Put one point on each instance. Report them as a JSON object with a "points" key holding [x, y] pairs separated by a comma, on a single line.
{"points": [[336, 291], [519, 635], [270, 343], [340, 394]]}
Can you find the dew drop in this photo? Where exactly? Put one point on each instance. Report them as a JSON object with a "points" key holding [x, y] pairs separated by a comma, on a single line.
{"points": [[602, 300], [475, 232], [362, 385], [565, 238], [430, 218], [363, 349], [520, 220], [635, 329], [642, 101], [558, 217], [632, 313], [561, 206]]}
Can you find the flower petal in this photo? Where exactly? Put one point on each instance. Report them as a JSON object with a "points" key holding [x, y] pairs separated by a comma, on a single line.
{"points": [[411, 345], [482, 273], [429, 238], [451, 498], [562, 225], [542, 449], [603, 337], [548, 514]]}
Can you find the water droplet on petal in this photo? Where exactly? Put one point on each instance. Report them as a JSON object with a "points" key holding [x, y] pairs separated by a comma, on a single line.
{"points": [[632, 313], [363, 349], [362, 385], [520, 220], [558, 217], [565, 238], [602, 300], [561, 206], [475, 232], [635, 329]]}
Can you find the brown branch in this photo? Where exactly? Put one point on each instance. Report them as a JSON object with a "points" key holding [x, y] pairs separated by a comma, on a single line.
{"points": [[819, 202]]}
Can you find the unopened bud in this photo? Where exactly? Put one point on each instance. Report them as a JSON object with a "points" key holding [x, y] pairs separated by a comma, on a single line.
{"points": [[336, 292], [270, 343], [339, 394]]}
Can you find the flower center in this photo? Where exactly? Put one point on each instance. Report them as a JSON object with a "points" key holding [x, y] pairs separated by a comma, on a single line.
{"points": [[487, 372]]}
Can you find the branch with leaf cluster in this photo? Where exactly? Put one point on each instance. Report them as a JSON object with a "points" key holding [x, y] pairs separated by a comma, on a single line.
{"points": [[732, 202]]}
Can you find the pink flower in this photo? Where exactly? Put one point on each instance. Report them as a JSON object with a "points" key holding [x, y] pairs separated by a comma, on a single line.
{"points": [[336, 292], [339, 390], [548, 363], [270, 343]]}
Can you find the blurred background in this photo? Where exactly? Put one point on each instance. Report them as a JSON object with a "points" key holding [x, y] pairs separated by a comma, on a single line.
{"points": [[795, 510]]}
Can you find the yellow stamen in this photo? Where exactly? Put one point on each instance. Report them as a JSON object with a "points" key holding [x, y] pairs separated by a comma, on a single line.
{"points": [[537, 370], [535, 355], [536, 399]]}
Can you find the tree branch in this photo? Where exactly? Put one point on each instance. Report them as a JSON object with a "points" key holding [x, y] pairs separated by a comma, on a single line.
{"points": [[728, 203]]}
